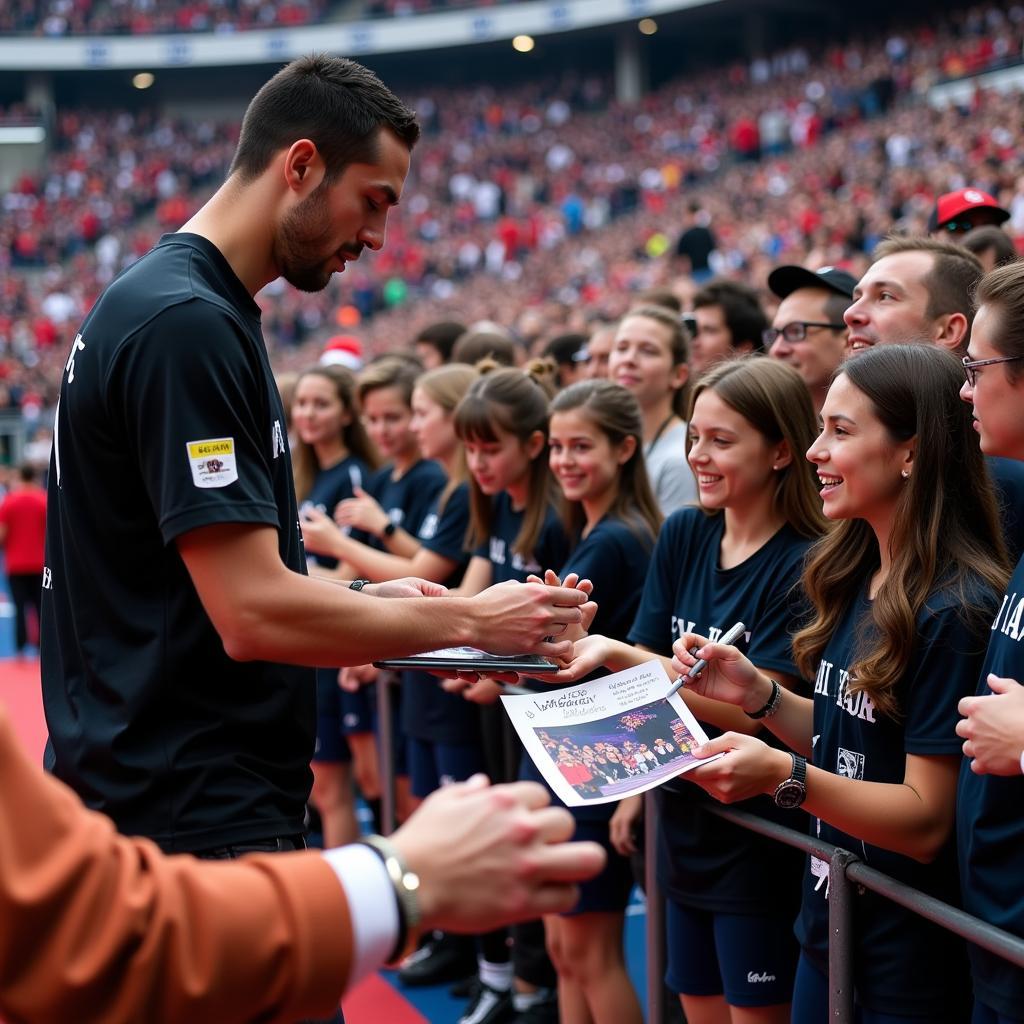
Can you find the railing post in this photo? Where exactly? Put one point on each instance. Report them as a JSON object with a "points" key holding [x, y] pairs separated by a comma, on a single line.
{"points": [[386, 748], [840, 939], [655, 915]]}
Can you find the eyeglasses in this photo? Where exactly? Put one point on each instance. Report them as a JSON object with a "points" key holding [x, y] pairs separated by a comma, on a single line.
{"points": [[796, 331], [971, 366], [954, 226]]}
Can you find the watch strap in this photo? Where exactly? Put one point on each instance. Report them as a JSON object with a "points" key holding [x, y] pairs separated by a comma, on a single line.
{"points": [[389, 529], [358, 584]]}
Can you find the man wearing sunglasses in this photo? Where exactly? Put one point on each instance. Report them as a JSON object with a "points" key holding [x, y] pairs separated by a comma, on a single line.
{"points": [[956, 213], [808, 331]]}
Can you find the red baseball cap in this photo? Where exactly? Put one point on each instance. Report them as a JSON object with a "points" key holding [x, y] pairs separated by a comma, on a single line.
{"points": [[953, 204]]}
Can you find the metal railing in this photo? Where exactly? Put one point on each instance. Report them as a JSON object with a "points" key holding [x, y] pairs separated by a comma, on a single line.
{"points": [[846, 871]]}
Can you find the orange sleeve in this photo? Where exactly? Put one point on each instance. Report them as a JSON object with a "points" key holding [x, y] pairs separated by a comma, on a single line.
{"points": [[98, 927]]}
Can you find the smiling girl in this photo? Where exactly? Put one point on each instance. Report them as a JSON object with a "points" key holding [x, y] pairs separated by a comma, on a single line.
{"points": [[648, 358], [903, 592], [731, 894], [515, 531], [331, 456], [596, 456]]}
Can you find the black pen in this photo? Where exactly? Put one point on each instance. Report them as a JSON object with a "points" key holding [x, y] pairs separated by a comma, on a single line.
{"points": [[730, 637]]}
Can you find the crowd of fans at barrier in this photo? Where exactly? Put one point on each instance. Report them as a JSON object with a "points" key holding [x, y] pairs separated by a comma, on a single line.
{"points": [[529, 205]]}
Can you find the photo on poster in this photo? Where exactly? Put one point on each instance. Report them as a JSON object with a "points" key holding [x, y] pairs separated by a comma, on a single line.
{"points": [[608, 738]]}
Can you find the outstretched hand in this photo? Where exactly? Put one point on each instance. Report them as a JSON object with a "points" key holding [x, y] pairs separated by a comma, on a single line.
{"points": [[748, 768], [488, 856]]}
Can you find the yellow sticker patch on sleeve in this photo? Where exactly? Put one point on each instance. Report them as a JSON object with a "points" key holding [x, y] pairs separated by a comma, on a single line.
{"points": [[213, 461]]}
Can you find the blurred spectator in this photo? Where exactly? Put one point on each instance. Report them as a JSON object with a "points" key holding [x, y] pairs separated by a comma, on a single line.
{"points": [[696, 244], [563, 349], [992, 246], [475, 345], [434, 343], [23, 535], [730, 322], [593, 357], [956, 213]]}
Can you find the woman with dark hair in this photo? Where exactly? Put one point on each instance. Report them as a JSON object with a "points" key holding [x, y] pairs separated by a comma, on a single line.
{"points": [[731, 895], [902, 591]]}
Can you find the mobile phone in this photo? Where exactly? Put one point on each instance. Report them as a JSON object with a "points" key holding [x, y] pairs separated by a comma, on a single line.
{"points": [[472, 659]]}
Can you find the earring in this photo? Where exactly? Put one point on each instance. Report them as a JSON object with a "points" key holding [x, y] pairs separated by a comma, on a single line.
{"points": [[905, 474]]}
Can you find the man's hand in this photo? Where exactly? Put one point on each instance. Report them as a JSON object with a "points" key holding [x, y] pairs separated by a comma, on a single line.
{"points": [[571, 581], [488, 856], [993, 728], [407, 586], [526, 618]]}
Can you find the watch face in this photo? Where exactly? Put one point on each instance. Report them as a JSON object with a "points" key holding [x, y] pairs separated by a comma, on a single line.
{"points": [[790, 794]]}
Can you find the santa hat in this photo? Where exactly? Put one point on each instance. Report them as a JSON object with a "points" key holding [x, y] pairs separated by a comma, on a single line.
{"points": [[345, 350]]}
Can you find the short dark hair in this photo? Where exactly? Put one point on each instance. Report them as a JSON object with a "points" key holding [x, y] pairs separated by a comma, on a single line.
{"points": [[1002, 290], [336, 103], [441, 335], [660, 297], [476, 345], [740, 306], [563, 347], [954, 275], [988, 236]]}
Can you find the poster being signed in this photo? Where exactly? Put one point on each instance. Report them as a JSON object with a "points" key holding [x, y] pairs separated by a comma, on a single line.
{"points": [[608, 738]]}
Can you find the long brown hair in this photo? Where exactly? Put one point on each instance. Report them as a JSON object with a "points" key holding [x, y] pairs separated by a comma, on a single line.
{"points": [[353, 435], [447, 386], [515, 402], [945, 530], [616, 413], [774, 400]]}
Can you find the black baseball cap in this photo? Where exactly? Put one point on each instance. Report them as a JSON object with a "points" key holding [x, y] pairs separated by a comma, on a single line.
{"points": [[785, 280]]}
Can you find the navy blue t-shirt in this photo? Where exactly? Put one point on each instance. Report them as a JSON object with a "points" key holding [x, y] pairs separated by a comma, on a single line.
{"points": [[428, 711], [407, 500], [334, 484], [895, 948], [615, 557], [550, 551], [703, 861], [1008, 477], [990, 825]]}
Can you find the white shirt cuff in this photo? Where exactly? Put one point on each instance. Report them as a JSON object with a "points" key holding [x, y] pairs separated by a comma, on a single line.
{"points": [[372, 906]]}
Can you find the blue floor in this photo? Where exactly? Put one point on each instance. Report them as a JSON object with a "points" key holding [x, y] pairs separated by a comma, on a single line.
{"points": [[439, 1007]]}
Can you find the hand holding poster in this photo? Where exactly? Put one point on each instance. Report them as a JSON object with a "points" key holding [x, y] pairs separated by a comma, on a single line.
{"points": [[608, 738]]}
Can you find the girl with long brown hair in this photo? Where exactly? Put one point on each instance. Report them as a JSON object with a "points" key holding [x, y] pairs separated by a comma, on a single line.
{"points": [[902, 592]]}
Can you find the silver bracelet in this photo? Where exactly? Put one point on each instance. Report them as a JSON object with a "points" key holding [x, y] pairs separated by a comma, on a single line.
{"points": [[406, 884]]}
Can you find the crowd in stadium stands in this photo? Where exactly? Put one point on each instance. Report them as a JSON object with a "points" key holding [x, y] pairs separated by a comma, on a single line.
{"points": [[543, 206], [56, 18]]}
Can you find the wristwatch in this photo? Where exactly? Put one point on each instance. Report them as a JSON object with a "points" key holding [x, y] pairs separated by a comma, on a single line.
{"points": [[791, 792], [389, 529], [358, 584]]}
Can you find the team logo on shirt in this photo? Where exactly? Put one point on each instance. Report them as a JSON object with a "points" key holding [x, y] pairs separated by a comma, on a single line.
{"points": [[277, 438], [850, 764], [212, 462]]}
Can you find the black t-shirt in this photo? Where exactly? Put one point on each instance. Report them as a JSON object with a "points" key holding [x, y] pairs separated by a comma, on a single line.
{"points": [[169, 420], [703, 861], [429, 712], [990, 825], [615, 557], [894, 948], [697, 243]]}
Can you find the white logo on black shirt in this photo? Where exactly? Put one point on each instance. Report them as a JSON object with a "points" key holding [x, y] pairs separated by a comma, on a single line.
{"points": [[429, 528], [1008, 621], [69, 366], [277, 439], [47, 578], [849, 764]]}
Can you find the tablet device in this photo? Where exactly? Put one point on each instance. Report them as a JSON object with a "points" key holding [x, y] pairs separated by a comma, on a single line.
{"points": [[472, 659]]}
